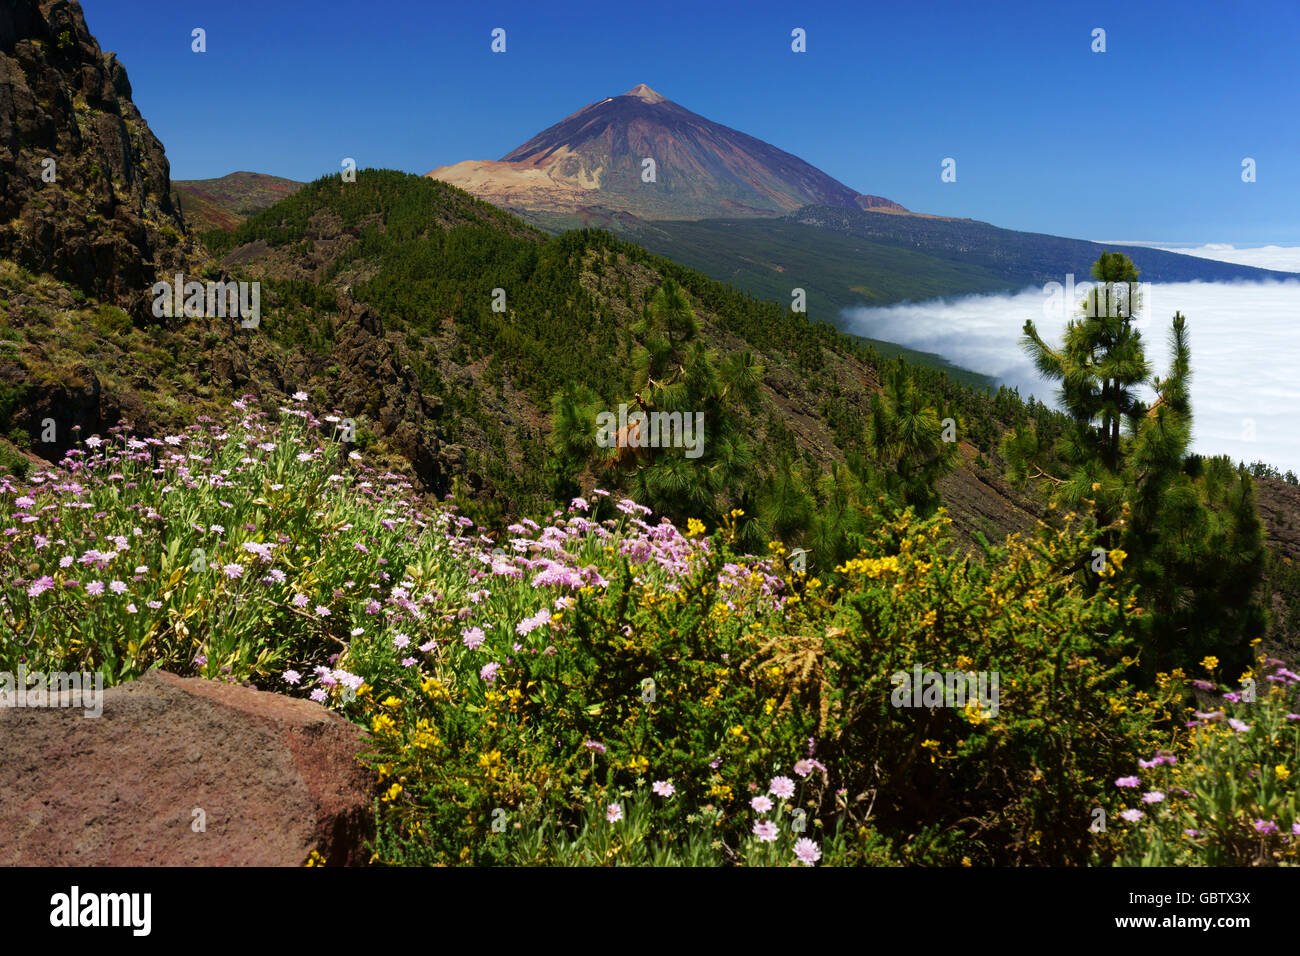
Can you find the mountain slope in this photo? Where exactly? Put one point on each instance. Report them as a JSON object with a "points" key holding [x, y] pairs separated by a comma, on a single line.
{"points": [[702, 168], [225, 202]]}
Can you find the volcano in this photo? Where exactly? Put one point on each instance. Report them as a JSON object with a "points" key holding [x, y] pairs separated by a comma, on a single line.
{"points": [[598, 157]]}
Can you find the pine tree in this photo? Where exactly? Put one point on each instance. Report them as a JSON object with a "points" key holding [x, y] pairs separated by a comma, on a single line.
{"points": [[1189, 528]]}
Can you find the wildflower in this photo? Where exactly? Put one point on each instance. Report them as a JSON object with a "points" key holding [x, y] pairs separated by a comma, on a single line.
{"points": [[300, 396], [1203, 684], [1281, 771], [1191, 833], [132, 609], [322, 611], [472, 637], [301, 600], [1210, 662], [409, 661], [1132, 816], [95, 588], [319, 695], [1265, 826], [781, 787], [593, 745], [400, 641], [154, 605], [428, 645], [529, 624], [765, 830], [489, 672], [233, 571], [1155, 796], [663, 788], [614, 813], [1128, 782], [761, 804], [200, 659], [806, 851], [292, 677], [40, 586], [1238, 725]]}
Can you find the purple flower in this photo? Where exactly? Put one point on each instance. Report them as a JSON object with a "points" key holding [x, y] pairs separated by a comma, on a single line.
{"points": [[292, 677], [806, 851], [40, 586], [409, 661], [489, 671], [95, 588], [1155, 796], [1191, 833], [765, 830], [400, 641], [1239, 726], [1265, 826], [663, 788], [200, 659], [761, 804], [472, 637], [322, 611], [593, 745], [614, 813], [1128, 782], [320, 695], [1132, 816], [782, 787], [1203, 684]]}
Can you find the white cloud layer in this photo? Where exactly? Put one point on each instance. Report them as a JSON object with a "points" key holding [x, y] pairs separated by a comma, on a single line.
{"points": [[1281, 258], [1244, 339]]}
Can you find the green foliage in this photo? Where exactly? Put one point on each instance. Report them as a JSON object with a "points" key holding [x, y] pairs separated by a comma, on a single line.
{"points": [[1190, 525]]}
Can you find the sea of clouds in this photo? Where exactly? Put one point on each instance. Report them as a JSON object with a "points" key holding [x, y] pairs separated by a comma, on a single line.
{"points": [[1244, 339]]}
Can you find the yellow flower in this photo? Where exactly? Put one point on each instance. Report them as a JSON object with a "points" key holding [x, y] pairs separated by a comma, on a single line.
{"points": [[382, 724], [1281, 771], [1210, 662], [1117, 557], [391, 794], [391, 701], [694, 526]]}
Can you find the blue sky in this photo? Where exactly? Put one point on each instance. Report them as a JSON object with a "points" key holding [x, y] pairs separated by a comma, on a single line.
{"points": [[1142, 142]]}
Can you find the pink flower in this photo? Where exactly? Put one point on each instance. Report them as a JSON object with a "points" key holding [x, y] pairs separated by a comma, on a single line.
{"points": [[1239, 726], [782, 787], [614, 813], [761, 804], [1132, 816], [400, 641], [489, 672], [1128, 782], [320, 695], [806, 851], [292, 677], [765, 830], [1155, 796], [472, 637], [663, 788]]}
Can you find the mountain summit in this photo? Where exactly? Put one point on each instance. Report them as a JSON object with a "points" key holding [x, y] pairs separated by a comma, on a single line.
{"points": [[597, 157]]}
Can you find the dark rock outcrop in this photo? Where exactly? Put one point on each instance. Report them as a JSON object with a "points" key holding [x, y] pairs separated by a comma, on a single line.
{"points": [[269, 778], [106, 222]]}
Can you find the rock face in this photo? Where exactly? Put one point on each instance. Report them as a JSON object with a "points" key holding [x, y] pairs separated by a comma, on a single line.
{"points": [[274, 778], [105, 222]]}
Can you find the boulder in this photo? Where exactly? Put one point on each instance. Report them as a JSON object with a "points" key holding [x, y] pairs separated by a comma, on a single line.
{"points": [[182, 772]]}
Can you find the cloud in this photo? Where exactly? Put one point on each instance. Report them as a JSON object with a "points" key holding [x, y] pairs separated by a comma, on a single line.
{"points": [[1244, 338], [1281, 258]]}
